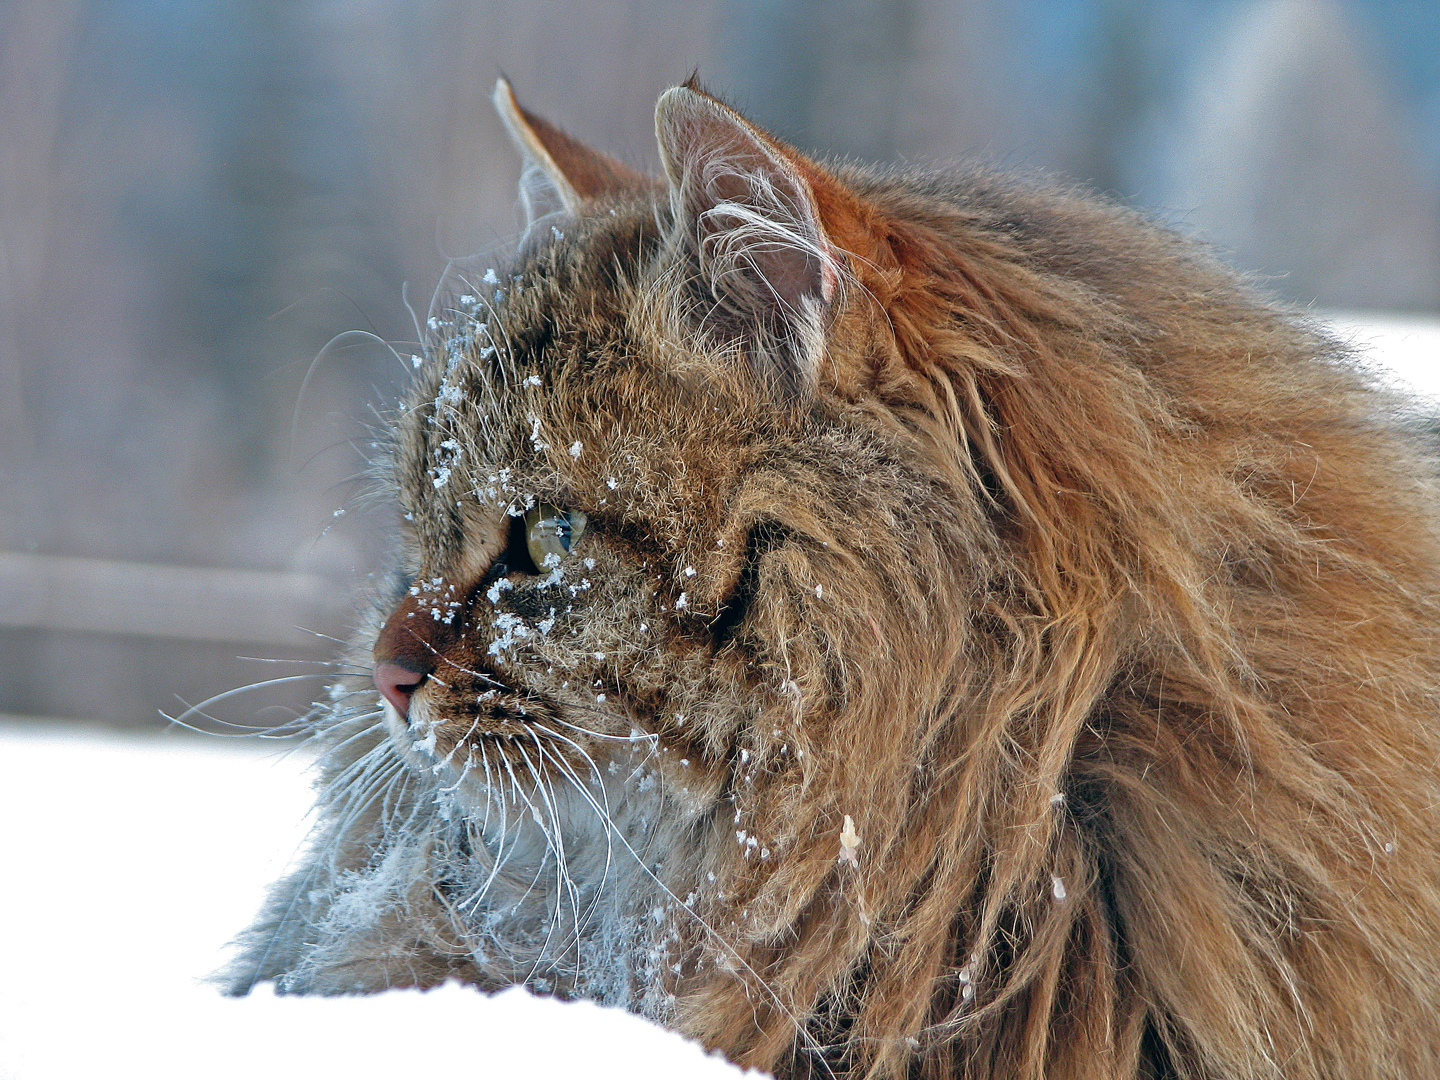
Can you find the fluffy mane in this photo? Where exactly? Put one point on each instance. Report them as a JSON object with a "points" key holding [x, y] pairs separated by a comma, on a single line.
{"points": [[1018, 638]]}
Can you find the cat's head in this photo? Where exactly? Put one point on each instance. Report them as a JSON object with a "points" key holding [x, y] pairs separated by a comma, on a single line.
{"points": [[679, 507], [652, 488]]}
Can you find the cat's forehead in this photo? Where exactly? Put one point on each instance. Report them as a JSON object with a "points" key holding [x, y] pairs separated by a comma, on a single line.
{"points": [[556, 377]]}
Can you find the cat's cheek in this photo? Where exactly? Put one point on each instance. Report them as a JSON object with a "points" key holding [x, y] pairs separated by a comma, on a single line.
{"points": [[694, 790]]}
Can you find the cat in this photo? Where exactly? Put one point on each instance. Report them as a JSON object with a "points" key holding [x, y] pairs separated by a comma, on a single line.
{"points": [[890, 623]]}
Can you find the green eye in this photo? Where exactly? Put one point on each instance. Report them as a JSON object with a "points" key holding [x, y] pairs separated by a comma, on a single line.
{"points": [[551, 533]]}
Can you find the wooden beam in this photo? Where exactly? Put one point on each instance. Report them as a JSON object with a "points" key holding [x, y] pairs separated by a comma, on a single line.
{"points": [[49, 592]]}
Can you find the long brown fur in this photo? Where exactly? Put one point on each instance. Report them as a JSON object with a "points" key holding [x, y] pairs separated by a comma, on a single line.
{"points": [[1039, 660]]}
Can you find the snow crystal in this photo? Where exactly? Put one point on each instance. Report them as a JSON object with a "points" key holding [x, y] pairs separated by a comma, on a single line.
{"points": [[512, 629], [849, 843], [576, 447], [490, 278], [425, 744], [1057, 888]]}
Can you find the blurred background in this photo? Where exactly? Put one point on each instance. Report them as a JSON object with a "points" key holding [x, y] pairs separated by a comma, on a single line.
{"points": [[212, 213]]}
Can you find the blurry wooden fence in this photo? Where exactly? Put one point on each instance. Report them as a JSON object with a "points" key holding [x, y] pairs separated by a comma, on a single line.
{"points": [[54, 593]]}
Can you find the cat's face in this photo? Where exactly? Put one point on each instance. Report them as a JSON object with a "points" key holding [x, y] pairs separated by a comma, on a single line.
{"points": [[567, 478], [641, 513]]}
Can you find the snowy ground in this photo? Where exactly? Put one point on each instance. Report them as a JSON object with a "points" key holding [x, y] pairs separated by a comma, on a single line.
{"points": [[129, 861]]}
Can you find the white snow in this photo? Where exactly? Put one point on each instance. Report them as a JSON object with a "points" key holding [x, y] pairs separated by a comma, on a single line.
{"points": [[131, 860], [1407, 345]]}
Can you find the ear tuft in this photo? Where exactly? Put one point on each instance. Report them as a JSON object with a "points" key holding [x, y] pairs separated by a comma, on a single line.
{"points": [[558, 165], [743, 204]]}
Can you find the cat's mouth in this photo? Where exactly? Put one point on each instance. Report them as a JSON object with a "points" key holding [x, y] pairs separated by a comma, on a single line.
{"points": [[446, 725]]}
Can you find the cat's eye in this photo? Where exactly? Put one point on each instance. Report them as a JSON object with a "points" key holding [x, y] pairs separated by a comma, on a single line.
{"points": [[551, 533]]}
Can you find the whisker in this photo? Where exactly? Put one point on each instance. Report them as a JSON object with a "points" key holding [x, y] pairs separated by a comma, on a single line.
{"points": [[314, 364], [414, 318], [556, 846], [575, 781], [302, 889], [198, 709], [652, 737]]}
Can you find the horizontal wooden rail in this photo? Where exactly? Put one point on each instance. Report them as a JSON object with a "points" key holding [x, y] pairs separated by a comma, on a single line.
{"points": [[50, 592]]}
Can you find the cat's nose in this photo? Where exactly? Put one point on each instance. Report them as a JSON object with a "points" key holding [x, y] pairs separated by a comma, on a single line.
{"points": [[397, 684]]}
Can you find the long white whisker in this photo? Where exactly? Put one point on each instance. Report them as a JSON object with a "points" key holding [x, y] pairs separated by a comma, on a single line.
{"points": [[314, 364], [575, 781], [569, 881], [650, 737], [556, 847], [304, 887], [521, 797], [414, 318], [197, 710]]}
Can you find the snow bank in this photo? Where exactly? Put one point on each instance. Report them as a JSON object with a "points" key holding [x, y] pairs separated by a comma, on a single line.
{"points": [[130, 861]]}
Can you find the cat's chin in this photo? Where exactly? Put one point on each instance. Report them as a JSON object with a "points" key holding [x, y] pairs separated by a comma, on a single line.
{"points": [[415, 740], [397, 726], [581, 915], [403, 738]]}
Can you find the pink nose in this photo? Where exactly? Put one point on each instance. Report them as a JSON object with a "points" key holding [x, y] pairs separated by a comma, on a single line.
{"points": [[397, 684]]}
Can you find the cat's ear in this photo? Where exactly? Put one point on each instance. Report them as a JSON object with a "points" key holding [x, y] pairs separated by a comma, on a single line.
{"points": [[745, 204], [558, 167]]}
